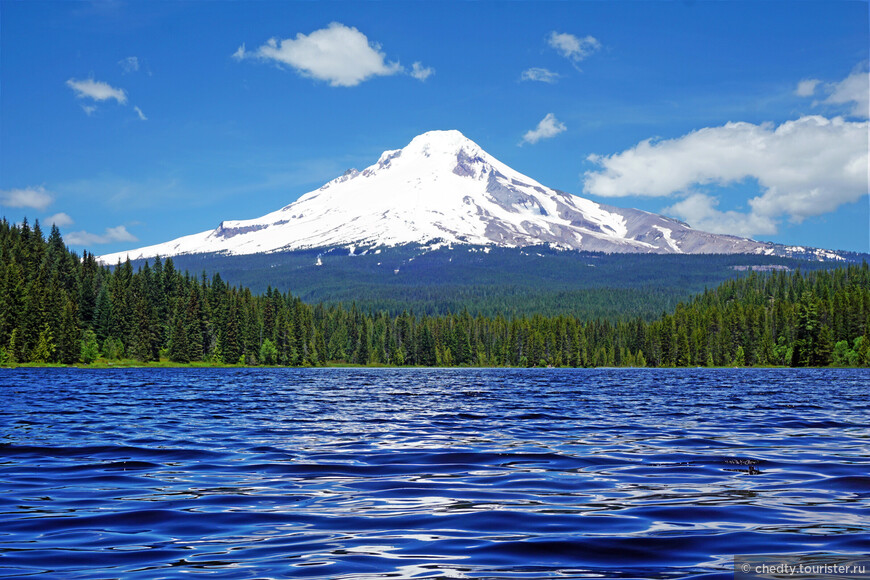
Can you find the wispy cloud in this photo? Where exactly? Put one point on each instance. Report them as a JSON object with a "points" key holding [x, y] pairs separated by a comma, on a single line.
{"points": [[59, 219], [110, 235], [129, 64], [142, 116], [96, 90], [549, 127], [338, 54], [420, 72], [807, 87], [854, 90], [30, 197], [540, 75], [807, 167], [573, 47]]}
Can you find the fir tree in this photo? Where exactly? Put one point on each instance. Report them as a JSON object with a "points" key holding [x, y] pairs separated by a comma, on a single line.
{"points": [[44, 350], [178, 346], [740, 357]]}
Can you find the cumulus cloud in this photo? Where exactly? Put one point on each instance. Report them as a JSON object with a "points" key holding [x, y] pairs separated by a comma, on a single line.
{"points": [[420, 72], [549, 127], [539, 74], [338, 54], [854, 89], [129, 64], [573, 47], [807, 88], [30, 197], [805, 167], [59, 219], [700, 211], [139, 112], [96, 90], [116, 234]]}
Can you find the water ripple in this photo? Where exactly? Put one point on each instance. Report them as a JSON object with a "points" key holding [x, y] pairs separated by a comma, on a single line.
{"points": [[381, 473]]}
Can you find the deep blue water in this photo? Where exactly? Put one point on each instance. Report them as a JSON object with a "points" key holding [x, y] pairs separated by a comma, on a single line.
{"points": [[359, 473]]}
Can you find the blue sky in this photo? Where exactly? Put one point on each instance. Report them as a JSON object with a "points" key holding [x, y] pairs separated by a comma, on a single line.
{"points": [[132, 123]]}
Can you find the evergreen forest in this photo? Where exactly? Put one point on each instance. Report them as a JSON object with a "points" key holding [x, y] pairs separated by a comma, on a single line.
{"points": [[59, 307], [489, 280]]}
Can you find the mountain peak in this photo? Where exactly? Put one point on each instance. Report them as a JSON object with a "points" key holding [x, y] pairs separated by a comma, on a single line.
{"points": [[442, 139], [442, 187], [441, 144]]}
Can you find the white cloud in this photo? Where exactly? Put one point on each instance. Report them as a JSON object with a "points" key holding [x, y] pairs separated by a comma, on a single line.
{"points": [[31, 197], [129, 64], [139, 112], [700, 211], [805, 167], [853, 89], [96, 90], [116, 234], [549, 127], [572, 47], [338, 54], [539, 74], [421, 73], [807, 88], [59, 219], [89, 109]]}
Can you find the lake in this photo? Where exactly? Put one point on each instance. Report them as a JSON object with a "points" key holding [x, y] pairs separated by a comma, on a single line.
{"points": [[428, 473]]}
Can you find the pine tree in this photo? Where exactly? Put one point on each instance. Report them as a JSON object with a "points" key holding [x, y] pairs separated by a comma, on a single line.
{"points": [[338, 343], [862, 348], [178, 346], [103, 319], [362, 354], [740, 357], [13, 353], [231, 349], [44, 350], [68, 346], [823, 348], [143, 338], [320, 345], [426, 347]]}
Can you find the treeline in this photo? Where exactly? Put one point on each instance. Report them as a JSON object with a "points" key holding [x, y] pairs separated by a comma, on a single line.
{"points": [[58, 307]]}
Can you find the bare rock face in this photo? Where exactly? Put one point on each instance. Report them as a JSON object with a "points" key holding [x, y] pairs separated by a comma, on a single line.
{"points": [[226, 232], [442, 188]]}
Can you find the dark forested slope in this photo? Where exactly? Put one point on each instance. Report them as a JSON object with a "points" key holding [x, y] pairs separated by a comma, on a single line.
{"points": [[488, 280]]}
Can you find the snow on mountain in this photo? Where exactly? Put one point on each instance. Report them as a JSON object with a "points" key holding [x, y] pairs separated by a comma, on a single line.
{"points": [[443, 188]]}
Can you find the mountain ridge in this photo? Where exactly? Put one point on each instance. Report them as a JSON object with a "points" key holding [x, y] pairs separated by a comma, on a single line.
{"points": [[442, 189]]}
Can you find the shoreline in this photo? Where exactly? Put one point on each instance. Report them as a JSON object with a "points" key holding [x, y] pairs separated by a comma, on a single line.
{"points": [[208, 365]]}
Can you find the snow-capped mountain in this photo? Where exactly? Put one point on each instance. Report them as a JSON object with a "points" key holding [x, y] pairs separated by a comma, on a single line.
{"points": [[443, 188]]}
